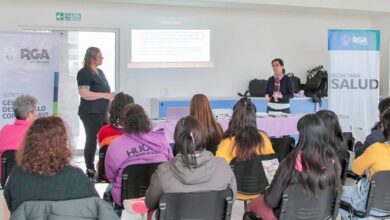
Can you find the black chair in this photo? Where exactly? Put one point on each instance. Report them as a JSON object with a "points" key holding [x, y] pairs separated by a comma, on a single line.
{"points": [[136, 179], [349, 140], [344, 169], [250, 175], [7, 163], [296, 204], [378, 197], [101, 176], [282, 146], [208, 205]]}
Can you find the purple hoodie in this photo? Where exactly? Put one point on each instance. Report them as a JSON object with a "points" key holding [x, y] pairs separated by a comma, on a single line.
{"points": [[151, 147]]}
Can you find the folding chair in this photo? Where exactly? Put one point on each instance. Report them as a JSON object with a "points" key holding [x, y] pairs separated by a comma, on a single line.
{"points": [[297, 204], [282, 146], [250, 176], [7, 163], [208, 205], [378, 198]]}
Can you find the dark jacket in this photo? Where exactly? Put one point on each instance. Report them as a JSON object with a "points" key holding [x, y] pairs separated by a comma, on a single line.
{"points": [[209, 173], [69, 183], [78, 209], [375, 136], [286, 88]]}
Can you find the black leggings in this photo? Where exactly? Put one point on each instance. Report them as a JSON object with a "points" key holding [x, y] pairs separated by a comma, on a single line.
{"points": [[92, 124]]}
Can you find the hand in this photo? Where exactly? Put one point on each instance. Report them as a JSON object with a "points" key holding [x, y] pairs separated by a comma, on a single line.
{"points": [[278, 95], [267, 97], [109, 95]]}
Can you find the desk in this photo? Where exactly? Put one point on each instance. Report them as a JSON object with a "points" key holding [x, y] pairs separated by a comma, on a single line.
{"points": [[301, 105], [277, 126]]}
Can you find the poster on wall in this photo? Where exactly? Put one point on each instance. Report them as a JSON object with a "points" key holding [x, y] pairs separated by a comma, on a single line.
{"points": [[28, 65], [354, 75]]}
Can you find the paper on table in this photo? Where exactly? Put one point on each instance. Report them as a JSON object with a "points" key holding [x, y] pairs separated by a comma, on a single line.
{"points": [[358, 134]]}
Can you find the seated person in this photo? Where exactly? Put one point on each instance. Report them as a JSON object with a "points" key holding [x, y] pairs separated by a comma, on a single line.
{"points": [[193, 169], [200, 109], [242, 139], [114, 128], [376, 132], [11, 136], [139, 145], [374, 159], [335, 134], [311, 164], [43, 171]]}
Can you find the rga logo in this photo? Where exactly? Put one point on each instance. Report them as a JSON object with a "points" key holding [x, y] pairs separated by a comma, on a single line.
{"points": [[35, 55], [9, 54], [360, 40], [345, 40]]}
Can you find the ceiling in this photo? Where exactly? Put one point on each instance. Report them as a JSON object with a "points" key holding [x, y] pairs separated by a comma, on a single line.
{"points": [[366, 7]]}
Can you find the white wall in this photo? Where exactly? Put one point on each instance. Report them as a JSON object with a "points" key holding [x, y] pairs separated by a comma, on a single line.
{"points": [[243, 41], [382, 24]]}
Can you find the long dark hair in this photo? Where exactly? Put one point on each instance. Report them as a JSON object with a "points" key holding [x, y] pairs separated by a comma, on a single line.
{"points": [[385, 121], [382, 106], [200, 109], [243, 127], [116, 106], [320, 167], [332, 125], [189, 139], [280, 61]]}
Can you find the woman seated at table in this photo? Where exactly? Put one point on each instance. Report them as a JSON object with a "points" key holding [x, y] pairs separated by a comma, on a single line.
{"points": [[193, 168], [200, 110], [311, 164], [335, 134], [374, 159], [43, 173], [242, 139], [139, 145]]}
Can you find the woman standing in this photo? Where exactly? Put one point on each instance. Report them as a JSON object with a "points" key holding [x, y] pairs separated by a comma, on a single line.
{"points": [[279, 89], [95, 94]]}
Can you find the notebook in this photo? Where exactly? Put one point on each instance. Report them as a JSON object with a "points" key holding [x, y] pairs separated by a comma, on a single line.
{"points": [[270, 167]]}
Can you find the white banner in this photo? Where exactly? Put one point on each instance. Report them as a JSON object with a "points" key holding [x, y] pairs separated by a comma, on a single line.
{"points": [[354, 75], [28, 65]]}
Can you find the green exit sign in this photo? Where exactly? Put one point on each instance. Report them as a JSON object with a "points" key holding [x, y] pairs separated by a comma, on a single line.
{"points": [[66, 16]]}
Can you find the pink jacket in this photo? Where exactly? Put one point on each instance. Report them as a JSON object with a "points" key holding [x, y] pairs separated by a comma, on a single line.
{"points": [[12, 136]]}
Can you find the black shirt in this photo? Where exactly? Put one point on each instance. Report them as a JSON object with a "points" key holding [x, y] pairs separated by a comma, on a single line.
{"points": [[70, 183], [96, 83], [286, 88]]}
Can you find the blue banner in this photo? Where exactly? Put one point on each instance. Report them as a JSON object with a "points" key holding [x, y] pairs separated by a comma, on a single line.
{"points": [[354, 40]]}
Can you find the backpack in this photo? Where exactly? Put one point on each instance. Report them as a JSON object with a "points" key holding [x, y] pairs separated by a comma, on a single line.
{"points": [[317, 83], [296, 82], [258, 87]]}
